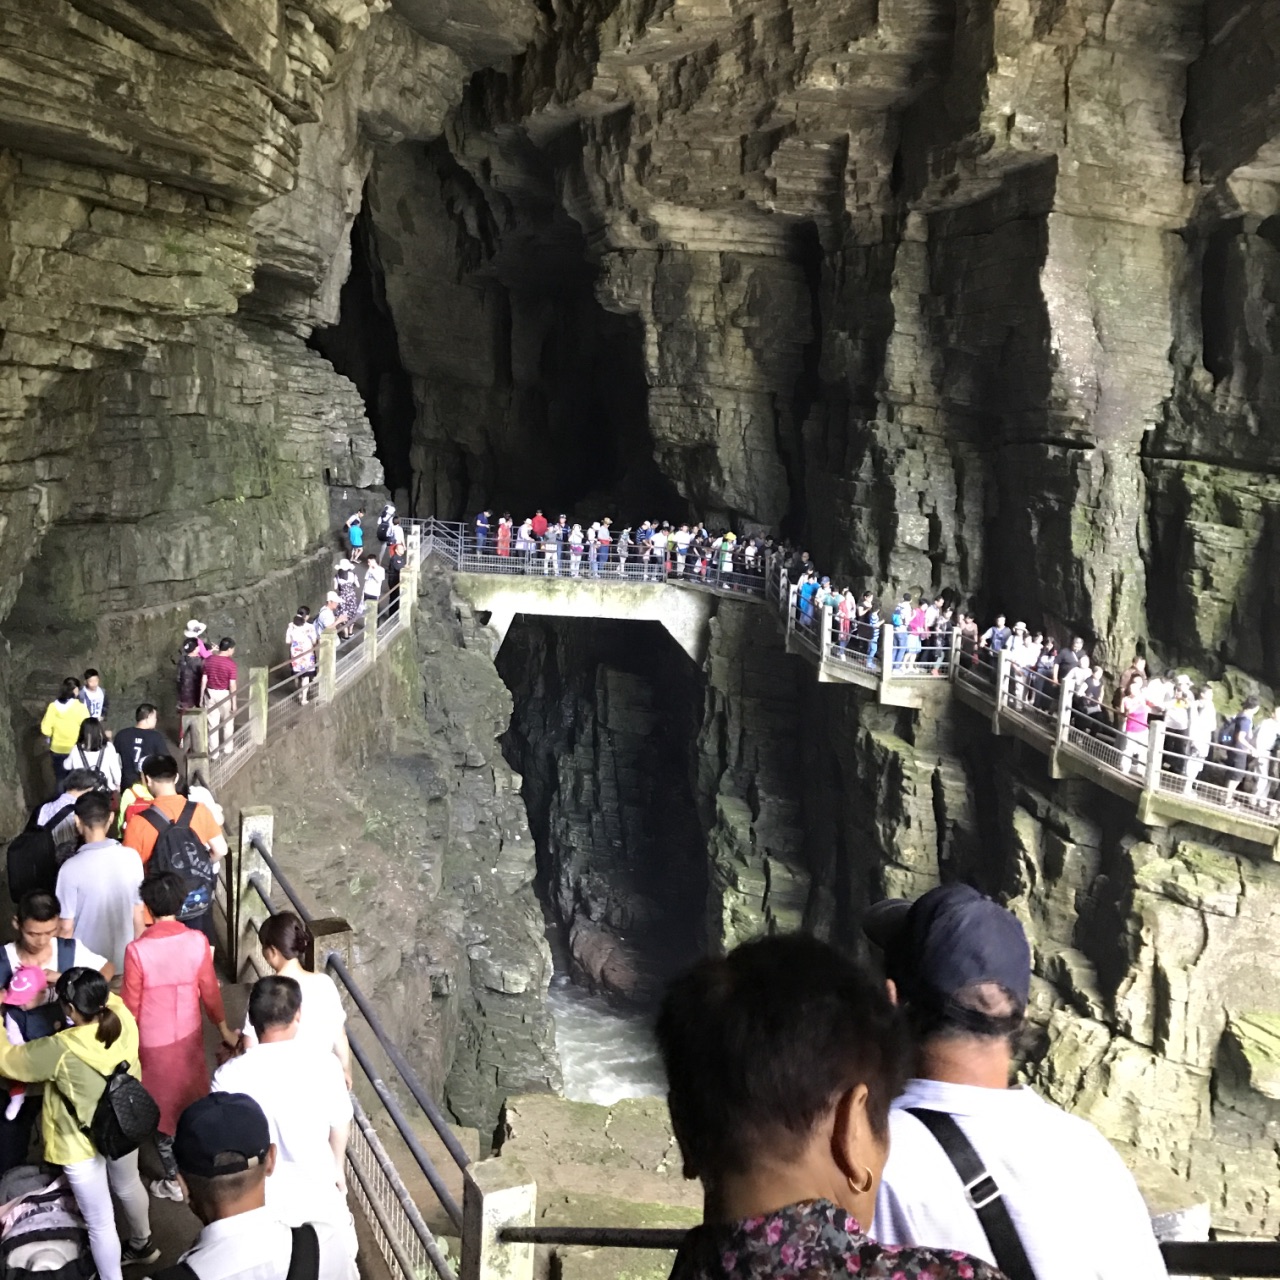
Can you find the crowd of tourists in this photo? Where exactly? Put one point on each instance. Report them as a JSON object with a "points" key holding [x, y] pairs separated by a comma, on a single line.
{"points": [[654, 549], [105, 989]]}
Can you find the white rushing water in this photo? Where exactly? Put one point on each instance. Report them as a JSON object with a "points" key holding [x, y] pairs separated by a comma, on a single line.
{"points": [[605, 1054]]}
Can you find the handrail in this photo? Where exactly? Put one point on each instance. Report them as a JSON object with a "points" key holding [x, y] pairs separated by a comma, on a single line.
{"points": [[334, 962]]}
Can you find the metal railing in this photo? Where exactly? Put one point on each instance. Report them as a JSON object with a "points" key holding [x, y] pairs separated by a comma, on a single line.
{"points": [[401, 1233]]}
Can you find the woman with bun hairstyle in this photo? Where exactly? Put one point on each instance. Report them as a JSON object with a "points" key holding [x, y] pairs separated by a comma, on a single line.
{"points": [[74, 1065], [285, 940]]}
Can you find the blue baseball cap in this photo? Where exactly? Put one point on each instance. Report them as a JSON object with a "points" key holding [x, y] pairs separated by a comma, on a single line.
{"points": [[948, 939]]}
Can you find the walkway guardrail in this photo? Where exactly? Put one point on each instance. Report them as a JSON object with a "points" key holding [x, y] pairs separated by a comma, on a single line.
{"points": [[221, 739], [406, 1241]]}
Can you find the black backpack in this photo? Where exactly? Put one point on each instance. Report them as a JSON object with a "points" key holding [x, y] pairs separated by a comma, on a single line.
{"points": [[179, 849], [1230, 727], [125, 1116], [32, 857]]}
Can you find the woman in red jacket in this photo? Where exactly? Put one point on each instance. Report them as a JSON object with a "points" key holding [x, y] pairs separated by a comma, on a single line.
{"points": [[168, 976]]}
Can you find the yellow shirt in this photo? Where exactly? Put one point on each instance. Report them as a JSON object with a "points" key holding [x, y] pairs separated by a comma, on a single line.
{"points": [[61, 725], [77, 1063]]}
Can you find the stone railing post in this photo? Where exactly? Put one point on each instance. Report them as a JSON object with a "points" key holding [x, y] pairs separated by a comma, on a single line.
{"points": [[886, 659], [828, 624], [243, 903], [371, 631], [1155, 755], [408, 594], [195, 741], [953, 658], [792, 596], [328, 670], [258, 705], [1064, 714], [493, 1199], [1002, 682], [413, 554]]}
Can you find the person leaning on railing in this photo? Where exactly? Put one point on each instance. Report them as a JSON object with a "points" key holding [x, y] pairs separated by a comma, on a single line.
{"points": [[781, 1061]]}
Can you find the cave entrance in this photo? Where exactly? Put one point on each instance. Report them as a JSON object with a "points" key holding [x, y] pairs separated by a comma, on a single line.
{"points": [[604, 732]]}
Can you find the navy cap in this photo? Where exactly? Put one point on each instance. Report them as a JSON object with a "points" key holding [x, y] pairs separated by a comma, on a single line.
{"points": [[947, 939], [221, 1133]]}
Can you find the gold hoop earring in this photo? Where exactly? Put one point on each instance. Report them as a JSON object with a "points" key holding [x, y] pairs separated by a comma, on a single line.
{"points": [[867, 1183]]}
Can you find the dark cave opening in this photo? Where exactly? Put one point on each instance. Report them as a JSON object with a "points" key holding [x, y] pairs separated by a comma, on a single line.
{"points": [[1219, 292], [604, 732], [364, 347]]}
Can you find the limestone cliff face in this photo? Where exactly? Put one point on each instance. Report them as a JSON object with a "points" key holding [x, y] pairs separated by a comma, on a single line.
{"points": [[966, 294]]}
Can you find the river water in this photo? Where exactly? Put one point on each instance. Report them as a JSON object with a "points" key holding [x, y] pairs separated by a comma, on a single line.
{"points": [[605, 1054]]}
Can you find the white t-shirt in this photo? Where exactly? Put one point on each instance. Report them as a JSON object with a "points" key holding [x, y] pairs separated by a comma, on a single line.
{"points": [[1075, 1206], [323, 1017], [107, 760], [98, 889], [374, 576], [303, 1094], [56, 805], [257, 1246]]}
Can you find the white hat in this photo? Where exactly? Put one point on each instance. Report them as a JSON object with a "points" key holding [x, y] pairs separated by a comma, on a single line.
{"points": [[344, 563], [195, 628], [334, 596]]}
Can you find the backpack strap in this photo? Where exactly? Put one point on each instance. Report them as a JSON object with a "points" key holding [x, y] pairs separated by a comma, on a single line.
{"points": [[304, 1261], [156, 817], [6, 969], [188, 812], [981, 1191]]}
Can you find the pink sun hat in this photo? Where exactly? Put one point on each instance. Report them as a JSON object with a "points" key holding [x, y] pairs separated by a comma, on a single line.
{"points": [[27, 983]]}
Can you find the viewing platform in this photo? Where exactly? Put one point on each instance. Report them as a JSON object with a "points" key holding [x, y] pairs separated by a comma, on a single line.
{"points": [[1165, 784]]}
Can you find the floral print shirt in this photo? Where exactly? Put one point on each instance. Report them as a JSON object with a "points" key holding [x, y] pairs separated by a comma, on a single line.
{"points": [[811, 1241]]}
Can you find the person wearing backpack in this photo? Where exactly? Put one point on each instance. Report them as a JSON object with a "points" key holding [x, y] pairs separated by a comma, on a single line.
{"points": [[75, 1066], [93, 751], [226, 1157], [193, 844], [36, 945], [61, 723], [168, 979], [98, 886]]}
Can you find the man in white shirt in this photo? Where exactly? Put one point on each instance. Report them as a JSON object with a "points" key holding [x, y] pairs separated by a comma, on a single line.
{"points": [[681, 540], [374, 576], [225, 1156], [303, 1093], [960, 966], [98, 886], [1265, 733]]}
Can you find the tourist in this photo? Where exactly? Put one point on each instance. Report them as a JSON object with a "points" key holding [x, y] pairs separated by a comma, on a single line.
{"points": [[143, 829], [538, 526], [781, 1061], [1265, 734], [525, 542], [195, 630], [330, 616], [550, 553], [304, 1095], [604, 541], [98, 885], [37, 945], [504, 535], [681, 541], [218, 684], [1067, 660], [74, 784], [224, 1152], [846, 615], [1177, 727], [285, 941], [136, 744], [482, 532], [168, 979], [73, 1065], [93, 751], [960, 968], [997, 637], [577, 542], [1204, 724], [300, 639], [374, 578], [355, 534], [898, 620], [1135, 712], [1237, 738], [969, 639], [383, 529], [93, 695], [346, 583], [623, 547], [917, 629], [190, 671], [61, 723]]}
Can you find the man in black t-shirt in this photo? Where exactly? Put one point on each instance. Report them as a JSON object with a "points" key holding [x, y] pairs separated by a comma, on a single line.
{"points": [[136, 744]]}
